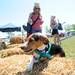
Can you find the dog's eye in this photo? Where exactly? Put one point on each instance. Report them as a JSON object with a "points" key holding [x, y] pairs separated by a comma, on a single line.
{"points": [[36, 37], [31, 40]]}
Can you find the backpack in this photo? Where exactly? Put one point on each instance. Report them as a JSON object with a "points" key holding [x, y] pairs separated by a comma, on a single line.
{"points": [[60, 26]]}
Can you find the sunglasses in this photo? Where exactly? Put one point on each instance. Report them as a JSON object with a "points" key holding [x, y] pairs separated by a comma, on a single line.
{"points": [[37, 8]]}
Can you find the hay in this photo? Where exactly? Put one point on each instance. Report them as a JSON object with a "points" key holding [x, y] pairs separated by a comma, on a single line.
{"points": [[15, 61], [13, 45], [16, 65], [12, 64], [11, 51], [17, 39]]}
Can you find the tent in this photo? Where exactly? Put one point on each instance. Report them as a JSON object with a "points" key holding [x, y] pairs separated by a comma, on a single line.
{"points": [[9, 28]]}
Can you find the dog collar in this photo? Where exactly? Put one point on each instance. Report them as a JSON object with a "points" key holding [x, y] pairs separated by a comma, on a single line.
{"points": [[49, 47], [42, 53]]}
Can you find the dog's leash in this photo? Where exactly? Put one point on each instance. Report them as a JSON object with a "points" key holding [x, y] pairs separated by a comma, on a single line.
{"points": [[49, 47]]}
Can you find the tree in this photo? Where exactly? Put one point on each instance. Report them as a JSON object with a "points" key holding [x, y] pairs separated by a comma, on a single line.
{"points": [[68, 27], [48, 29], [73, 26]]}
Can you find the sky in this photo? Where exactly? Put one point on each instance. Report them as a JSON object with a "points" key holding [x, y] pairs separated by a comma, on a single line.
{"points": [[17, 11]]}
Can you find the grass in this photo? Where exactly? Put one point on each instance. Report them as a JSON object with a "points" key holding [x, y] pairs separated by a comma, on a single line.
{"points": [[68, 46]]}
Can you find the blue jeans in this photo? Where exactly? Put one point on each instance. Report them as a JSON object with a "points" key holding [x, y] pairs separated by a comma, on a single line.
{"points": [[36, 30]]}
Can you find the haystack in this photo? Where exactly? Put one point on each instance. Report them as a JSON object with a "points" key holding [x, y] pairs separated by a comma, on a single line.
{"points": [[15, 62], [11, 51], [17, 39], [16, 65]]}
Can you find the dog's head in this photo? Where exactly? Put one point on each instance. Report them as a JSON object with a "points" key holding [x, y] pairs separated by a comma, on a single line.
{"points": [[34, 41]]}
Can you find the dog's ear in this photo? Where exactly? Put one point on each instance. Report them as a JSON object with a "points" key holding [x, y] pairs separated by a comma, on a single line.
{"points": [[41, 37], [36, 37], [44, 39]]}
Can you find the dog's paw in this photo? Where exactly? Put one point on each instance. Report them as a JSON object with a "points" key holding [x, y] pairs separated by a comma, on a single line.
{"points": [[29, 67]]}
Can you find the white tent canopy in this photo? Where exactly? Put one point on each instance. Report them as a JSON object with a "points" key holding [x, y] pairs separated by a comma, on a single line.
{"points": [[9, 25], [10, 28]]}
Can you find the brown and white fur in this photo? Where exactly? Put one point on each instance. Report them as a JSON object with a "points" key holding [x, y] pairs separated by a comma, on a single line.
{"points": [[37, 40]]}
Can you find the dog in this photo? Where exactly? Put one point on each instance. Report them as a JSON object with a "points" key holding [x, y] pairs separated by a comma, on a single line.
{"points": [[41, 48]]}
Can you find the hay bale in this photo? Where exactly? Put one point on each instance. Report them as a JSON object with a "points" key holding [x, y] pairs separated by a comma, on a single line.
{"points": [[11, 51], [16, 40], [17, 66], [11, 65], [13, 45], [15, 62]]}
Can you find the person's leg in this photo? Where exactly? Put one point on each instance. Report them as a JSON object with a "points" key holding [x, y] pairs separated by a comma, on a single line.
{"points": [[33, 31], [28, 34], [54, 35], [57, 39]]}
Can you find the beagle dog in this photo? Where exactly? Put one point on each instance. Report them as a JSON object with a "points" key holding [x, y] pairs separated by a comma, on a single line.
{"points": [[41, 49]]}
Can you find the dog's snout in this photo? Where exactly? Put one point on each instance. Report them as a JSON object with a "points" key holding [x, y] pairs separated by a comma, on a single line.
{"points": [[23, 48]]}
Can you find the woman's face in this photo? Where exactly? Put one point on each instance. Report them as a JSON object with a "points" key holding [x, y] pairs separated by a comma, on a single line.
{"points": [[36, 10], [53, 17]]}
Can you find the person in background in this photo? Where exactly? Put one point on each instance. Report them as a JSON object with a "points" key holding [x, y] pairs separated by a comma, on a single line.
{"points": [[35, 19], [54, 27]]}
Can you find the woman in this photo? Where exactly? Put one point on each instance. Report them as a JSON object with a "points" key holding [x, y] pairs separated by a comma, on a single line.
{"points": [[35, 19], [54, 27]]}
